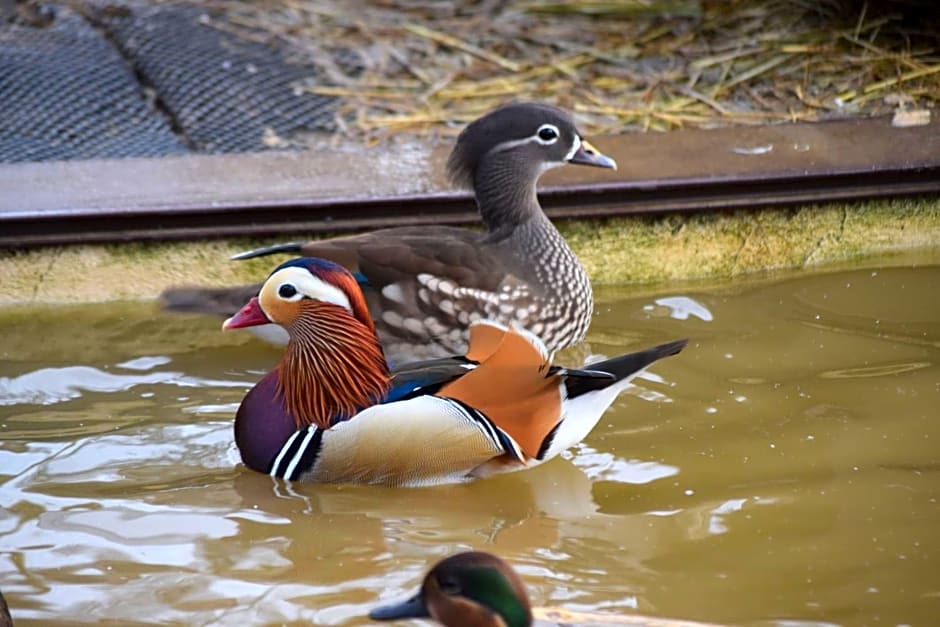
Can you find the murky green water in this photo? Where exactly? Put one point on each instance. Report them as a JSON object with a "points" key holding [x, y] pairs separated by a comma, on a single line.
{"points": [[785, 469]]}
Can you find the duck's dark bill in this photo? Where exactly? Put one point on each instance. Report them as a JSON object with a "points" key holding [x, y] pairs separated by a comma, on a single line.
{"points": [[251, 315], [589, 155], [412, 608]]}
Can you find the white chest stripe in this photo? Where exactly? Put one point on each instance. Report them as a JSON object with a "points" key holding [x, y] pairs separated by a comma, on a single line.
{"points": [[300, 452], [282, 453]]}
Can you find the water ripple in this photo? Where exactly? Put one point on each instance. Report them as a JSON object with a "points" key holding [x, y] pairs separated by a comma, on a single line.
{"points": [[682, 307], [608, 467], [48, 386], [875, 371]]}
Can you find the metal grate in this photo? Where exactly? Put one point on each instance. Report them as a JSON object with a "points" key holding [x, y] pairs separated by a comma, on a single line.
{"points": [[224, 93], [150, 80], [66, 93]]}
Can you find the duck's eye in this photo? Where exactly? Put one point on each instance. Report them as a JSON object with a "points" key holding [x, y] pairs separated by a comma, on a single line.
{"points": [[287, 291], [449, 585], [547, 134]]}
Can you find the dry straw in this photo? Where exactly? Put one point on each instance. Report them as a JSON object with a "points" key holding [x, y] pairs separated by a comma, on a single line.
{"points": [[432, 66]]}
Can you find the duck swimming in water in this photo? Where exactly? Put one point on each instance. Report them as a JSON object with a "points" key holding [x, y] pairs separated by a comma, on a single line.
{"points": [[332, 411]]}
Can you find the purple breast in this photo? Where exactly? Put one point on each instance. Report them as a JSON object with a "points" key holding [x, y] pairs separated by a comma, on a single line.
{"points": [[262, 424]]}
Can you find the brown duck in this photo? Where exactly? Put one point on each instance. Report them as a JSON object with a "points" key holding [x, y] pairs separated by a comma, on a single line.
{"points": [[425, 285]]}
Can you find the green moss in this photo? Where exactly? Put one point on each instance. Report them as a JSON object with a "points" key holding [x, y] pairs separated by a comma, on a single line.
{"points": [[631, 249], [727, 244]]}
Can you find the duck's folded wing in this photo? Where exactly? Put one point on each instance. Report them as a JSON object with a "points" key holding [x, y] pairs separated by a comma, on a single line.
{"points": [[425, 377], [426, 287], [430, 375], [422, 441], [391, 255]]}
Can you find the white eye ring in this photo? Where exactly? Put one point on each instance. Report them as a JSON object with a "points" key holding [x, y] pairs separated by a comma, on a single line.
{"points": [[287, 291], [547, 134]]}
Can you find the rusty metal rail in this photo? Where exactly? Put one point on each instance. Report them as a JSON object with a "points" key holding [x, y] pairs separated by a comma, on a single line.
{"points": [[286, 194]]}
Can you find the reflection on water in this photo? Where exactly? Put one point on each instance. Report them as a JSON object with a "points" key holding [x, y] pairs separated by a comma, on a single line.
{"points": [[784, 469], [53, 385]]}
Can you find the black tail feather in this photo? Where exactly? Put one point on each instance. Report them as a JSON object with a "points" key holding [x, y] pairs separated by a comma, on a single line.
{"points": [[580, 373], [290, 247], [621, 367]]}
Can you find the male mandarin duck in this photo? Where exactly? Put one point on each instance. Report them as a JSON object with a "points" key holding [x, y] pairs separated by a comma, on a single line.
{"points": [[425, 285], [331, 411], [467, 589]]}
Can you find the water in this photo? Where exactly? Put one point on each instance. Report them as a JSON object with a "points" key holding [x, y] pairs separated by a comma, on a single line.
{"points": [[784, 469]]}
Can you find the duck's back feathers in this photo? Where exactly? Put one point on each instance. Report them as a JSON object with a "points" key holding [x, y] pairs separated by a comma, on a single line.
{"points": [[346, 247], [426, 377], [485, 338], [424, 290], [430, 375], [512, 386]]}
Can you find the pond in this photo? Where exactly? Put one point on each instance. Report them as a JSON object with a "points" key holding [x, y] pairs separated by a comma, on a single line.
{"points": [[784, 469]]}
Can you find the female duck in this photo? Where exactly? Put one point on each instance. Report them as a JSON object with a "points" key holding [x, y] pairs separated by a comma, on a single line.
{"points": [[332, 412], [425, 285]]}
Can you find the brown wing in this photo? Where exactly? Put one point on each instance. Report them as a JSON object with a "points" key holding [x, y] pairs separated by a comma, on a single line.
{"points": [[392, 255], [425, 286], [389, 255], [512, 386]]}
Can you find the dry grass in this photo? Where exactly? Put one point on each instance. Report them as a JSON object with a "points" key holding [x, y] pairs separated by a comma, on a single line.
{"points": [[432, 66]]}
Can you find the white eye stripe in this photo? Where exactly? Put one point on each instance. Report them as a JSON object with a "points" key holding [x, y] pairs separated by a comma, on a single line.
{"points": [[515, 143], [306, 285]]}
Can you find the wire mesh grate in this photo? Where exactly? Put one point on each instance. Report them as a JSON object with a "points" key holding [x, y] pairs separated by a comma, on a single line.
{"points": [[150, 80]]}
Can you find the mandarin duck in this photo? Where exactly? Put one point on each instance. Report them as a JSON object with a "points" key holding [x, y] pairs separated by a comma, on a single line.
{"points": [[467, 589], [425, 285], [332, 411]]}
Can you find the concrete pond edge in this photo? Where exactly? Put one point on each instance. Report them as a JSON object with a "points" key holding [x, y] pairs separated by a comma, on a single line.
{"points": [[626, 250]]}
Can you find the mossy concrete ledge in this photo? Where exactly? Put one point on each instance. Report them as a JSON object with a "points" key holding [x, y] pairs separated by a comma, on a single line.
{"points": [[616, 251]]}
